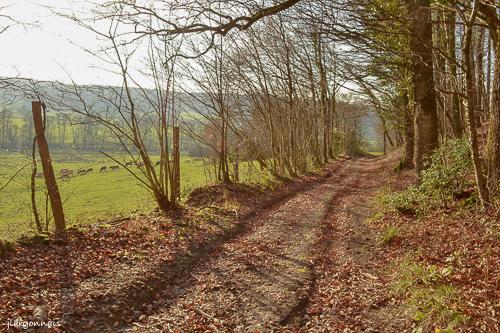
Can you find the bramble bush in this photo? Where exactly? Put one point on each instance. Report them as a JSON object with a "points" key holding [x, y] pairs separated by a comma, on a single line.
{"points": [[447, 174]]}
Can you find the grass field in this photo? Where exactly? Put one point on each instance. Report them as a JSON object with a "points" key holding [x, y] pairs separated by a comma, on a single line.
{"points": [[87, 198]]}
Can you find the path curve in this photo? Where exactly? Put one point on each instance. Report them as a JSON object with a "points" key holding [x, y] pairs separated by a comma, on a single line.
{"points": [[262, 280]]}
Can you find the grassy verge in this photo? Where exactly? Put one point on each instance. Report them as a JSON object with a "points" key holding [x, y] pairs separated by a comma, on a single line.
{"points": [[442, 248], [429, 300]]}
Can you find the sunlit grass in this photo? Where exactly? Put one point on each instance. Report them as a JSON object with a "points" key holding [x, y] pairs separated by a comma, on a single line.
{"points": [[91, 197]]}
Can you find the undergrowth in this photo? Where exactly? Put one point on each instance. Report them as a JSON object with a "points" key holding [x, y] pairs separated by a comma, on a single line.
{"points": [[447, 177], [389, 234], [428, 297], [429, 300]]}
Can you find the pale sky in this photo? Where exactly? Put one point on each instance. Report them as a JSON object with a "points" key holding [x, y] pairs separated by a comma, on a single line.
{"points": [[46, 50]]}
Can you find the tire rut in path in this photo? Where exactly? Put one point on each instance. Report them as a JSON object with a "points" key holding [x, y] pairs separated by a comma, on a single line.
{"points": [[262, 279]]}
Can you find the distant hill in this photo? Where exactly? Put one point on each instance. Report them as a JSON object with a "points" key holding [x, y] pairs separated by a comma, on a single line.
{"points": [[17, 95]]}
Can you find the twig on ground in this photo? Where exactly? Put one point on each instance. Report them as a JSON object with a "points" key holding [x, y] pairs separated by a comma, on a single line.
{"points": [[202, 313]]}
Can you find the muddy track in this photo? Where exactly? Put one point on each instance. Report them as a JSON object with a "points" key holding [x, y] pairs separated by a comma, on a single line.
{"points": [[262, 280]]}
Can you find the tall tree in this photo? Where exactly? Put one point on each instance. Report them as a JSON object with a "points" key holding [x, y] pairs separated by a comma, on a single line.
{"points": [[425, 110], [488, 13], [471, 105]]}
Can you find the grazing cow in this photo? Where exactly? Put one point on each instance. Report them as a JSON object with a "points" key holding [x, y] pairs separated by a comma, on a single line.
{"points": [[66, 173], [114, 168], [103, 169], [129, 163], [81, 172], [157, 163], [140, 164], [90, 170]]}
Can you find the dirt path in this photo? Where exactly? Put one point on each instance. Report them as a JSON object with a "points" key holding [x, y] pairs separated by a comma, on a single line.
{"points": [[351, 292], [267, 279]]}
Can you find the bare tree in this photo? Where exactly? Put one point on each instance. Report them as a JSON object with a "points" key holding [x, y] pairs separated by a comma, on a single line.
{"points": [[130, 111]]}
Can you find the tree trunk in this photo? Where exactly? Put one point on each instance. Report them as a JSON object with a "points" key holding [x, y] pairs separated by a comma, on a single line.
{"points": [[176, 184], [471, 118], [48, 171], [493, 141], [426, 121], [479, 79], [317, 42], [493, 144], [34, 171], [409, 140]]}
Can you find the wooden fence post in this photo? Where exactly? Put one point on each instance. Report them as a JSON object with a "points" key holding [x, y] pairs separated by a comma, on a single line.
{"points": [[48, 171], [177, 163]]}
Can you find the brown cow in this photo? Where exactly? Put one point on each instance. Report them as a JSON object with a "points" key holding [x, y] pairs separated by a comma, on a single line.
{"points": [[114, 168], [103, 169], [66, 173]]}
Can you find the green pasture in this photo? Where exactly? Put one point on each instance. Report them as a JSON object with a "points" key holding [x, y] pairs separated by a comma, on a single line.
{"points": [[92, 197]]}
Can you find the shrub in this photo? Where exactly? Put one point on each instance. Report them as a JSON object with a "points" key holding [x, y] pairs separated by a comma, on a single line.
{"points": [[389, 234], [448, 170], [408, 201], [447, 174]]}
